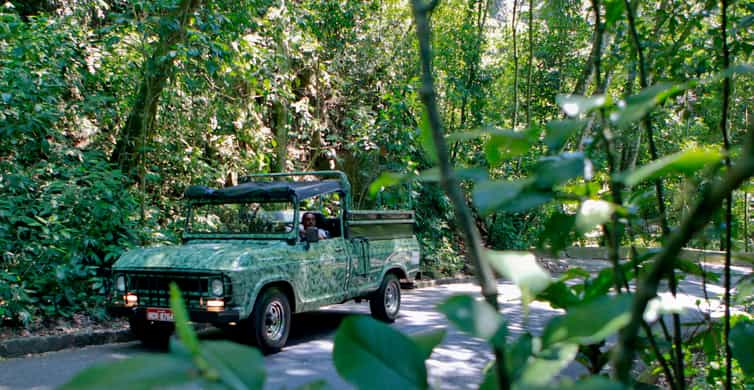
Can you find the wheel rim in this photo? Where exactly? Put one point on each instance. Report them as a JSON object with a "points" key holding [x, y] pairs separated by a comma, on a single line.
{"points": [[274, 321], [392, 298]]}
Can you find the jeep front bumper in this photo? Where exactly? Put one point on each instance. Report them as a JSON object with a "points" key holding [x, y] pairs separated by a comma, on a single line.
{"points": [[214, 317]]}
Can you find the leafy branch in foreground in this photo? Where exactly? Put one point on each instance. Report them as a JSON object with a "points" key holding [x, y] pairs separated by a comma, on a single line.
{"points": [[448, 180], [694, 222], [214, 364]]}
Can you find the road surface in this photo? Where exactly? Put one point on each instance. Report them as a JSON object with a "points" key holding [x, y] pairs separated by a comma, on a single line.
{"points": [[457, 363]]}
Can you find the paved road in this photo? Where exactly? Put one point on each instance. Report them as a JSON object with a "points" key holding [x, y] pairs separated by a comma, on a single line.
{"points": [[456, 363]]}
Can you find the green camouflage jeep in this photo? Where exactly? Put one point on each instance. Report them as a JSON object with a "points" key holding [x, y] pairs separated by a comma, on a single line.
{"points": [[247, 263]]}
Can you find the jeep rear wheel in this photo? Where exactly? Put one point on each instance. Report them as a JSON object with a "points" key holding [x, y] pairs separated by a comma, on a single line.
{"points": [[386, 301], [271, 320]]}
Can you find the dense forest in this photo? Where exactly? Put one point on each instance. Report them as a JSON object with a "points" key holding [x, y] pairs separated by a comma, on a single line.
{"points": [[506, 125]]}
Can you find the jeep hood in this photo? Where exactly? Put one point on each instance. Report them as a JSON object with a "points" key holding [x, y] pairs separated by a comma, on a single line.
{"points": [[205, 256]]}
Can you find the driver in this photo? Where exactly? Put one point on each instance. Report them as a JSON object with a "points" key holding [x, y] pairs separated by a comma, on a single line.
{"points": [[310, 220]]}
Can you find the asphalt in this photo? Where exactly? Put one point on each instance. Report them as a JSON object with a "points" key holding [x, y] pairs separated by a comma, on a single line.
{"points": [[456, 363], [24, 346]]}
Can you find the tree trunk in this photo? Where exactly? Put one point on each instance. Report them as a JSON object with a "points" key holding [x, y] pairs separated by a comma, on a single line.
{"points": [[280, 129], [157, 69]]}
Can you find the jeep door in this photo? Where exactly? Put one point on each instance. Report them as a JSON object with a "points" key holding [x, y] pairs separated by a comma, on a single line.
{"points": [[324, 270]]}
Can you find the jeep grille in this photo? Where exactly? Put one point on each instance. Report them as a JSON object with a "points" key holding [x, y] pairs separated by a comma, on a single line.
{"points": [[154, 289]]}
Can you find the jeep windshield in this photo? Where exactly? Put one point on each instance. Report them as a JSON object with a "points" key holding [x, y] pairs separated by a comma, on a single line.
{"points": [[272, 219]]}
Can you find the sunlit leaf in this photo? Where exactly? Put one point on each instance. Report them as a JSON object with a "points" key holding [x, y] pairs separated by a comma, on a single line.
{"points": [[427, 341], [686, 162], [386, 179], [522, 269], [590, 322], [637, 106], [472, 316], [658, 306], [185, 333], [372, 355], [592, 213], [238, 366], [575, 105], [547, 364]]}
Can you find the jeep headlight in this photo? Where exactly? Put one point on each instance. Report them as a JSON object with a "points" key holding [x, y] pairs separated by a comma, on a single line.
{"points": [[216, 287], [120, 283]]}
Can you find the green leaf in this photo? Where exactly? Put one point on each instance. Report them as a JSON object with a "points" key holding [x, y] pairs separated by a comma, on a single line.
{"points": [[372, 355], [469, 173], [491, 194], [316, 385], [543, 368], [613, 11], [744, 290], [426, 138], [558, 232], [427, 341], [742, 345], [558, 131], [693, 268], [182, 327], [686, 162], [559, 295], [490, 381], [518, 354], [639, 105], [238, 366], [522, 269], [386, 179], [597, 383], [555, 170], [589, 323], [142, 371], [508, 144], [575, 105], [593, 213], [472, 316], [511, 196]]}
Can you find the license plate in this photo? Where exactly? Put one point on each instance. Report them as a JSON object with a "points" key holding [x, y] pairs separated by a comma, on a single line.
{"points": [[165, 315]]}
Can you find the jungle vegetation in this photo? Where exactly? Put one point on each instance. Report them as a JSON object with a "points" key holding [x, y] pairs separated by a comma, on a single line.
{"points": [[506, 125]]}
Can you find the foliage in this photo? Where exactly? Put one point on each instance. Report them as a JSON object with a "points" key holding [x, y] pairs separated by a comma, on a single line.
{"points": [[621, 144], [62, 223]]}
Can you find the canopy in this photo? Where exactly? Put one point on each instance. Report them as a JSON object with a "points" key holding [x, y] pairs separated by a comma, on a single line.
{"points": [[274, 190]]}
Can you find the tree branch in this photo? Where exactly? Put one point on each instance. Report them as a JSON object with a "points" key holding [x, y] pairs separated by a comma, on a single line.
{"points": [[448, 180], [711, 200]]}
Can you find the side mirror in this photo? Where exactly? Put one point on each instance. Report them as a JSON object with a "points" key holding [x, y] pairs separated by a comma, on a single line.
{"points": [[311, 234]]}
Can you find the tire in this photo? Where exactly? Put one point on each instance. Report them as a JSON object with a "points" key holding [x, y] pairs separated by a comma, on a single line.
{"points": [[155, 336], [385, 303], [271, 321]]}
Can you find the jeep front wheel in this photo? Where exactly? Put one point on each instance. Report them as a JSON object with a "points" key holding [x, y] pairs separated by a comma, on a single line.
{"points": [[386, 301], [271, 320]]}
